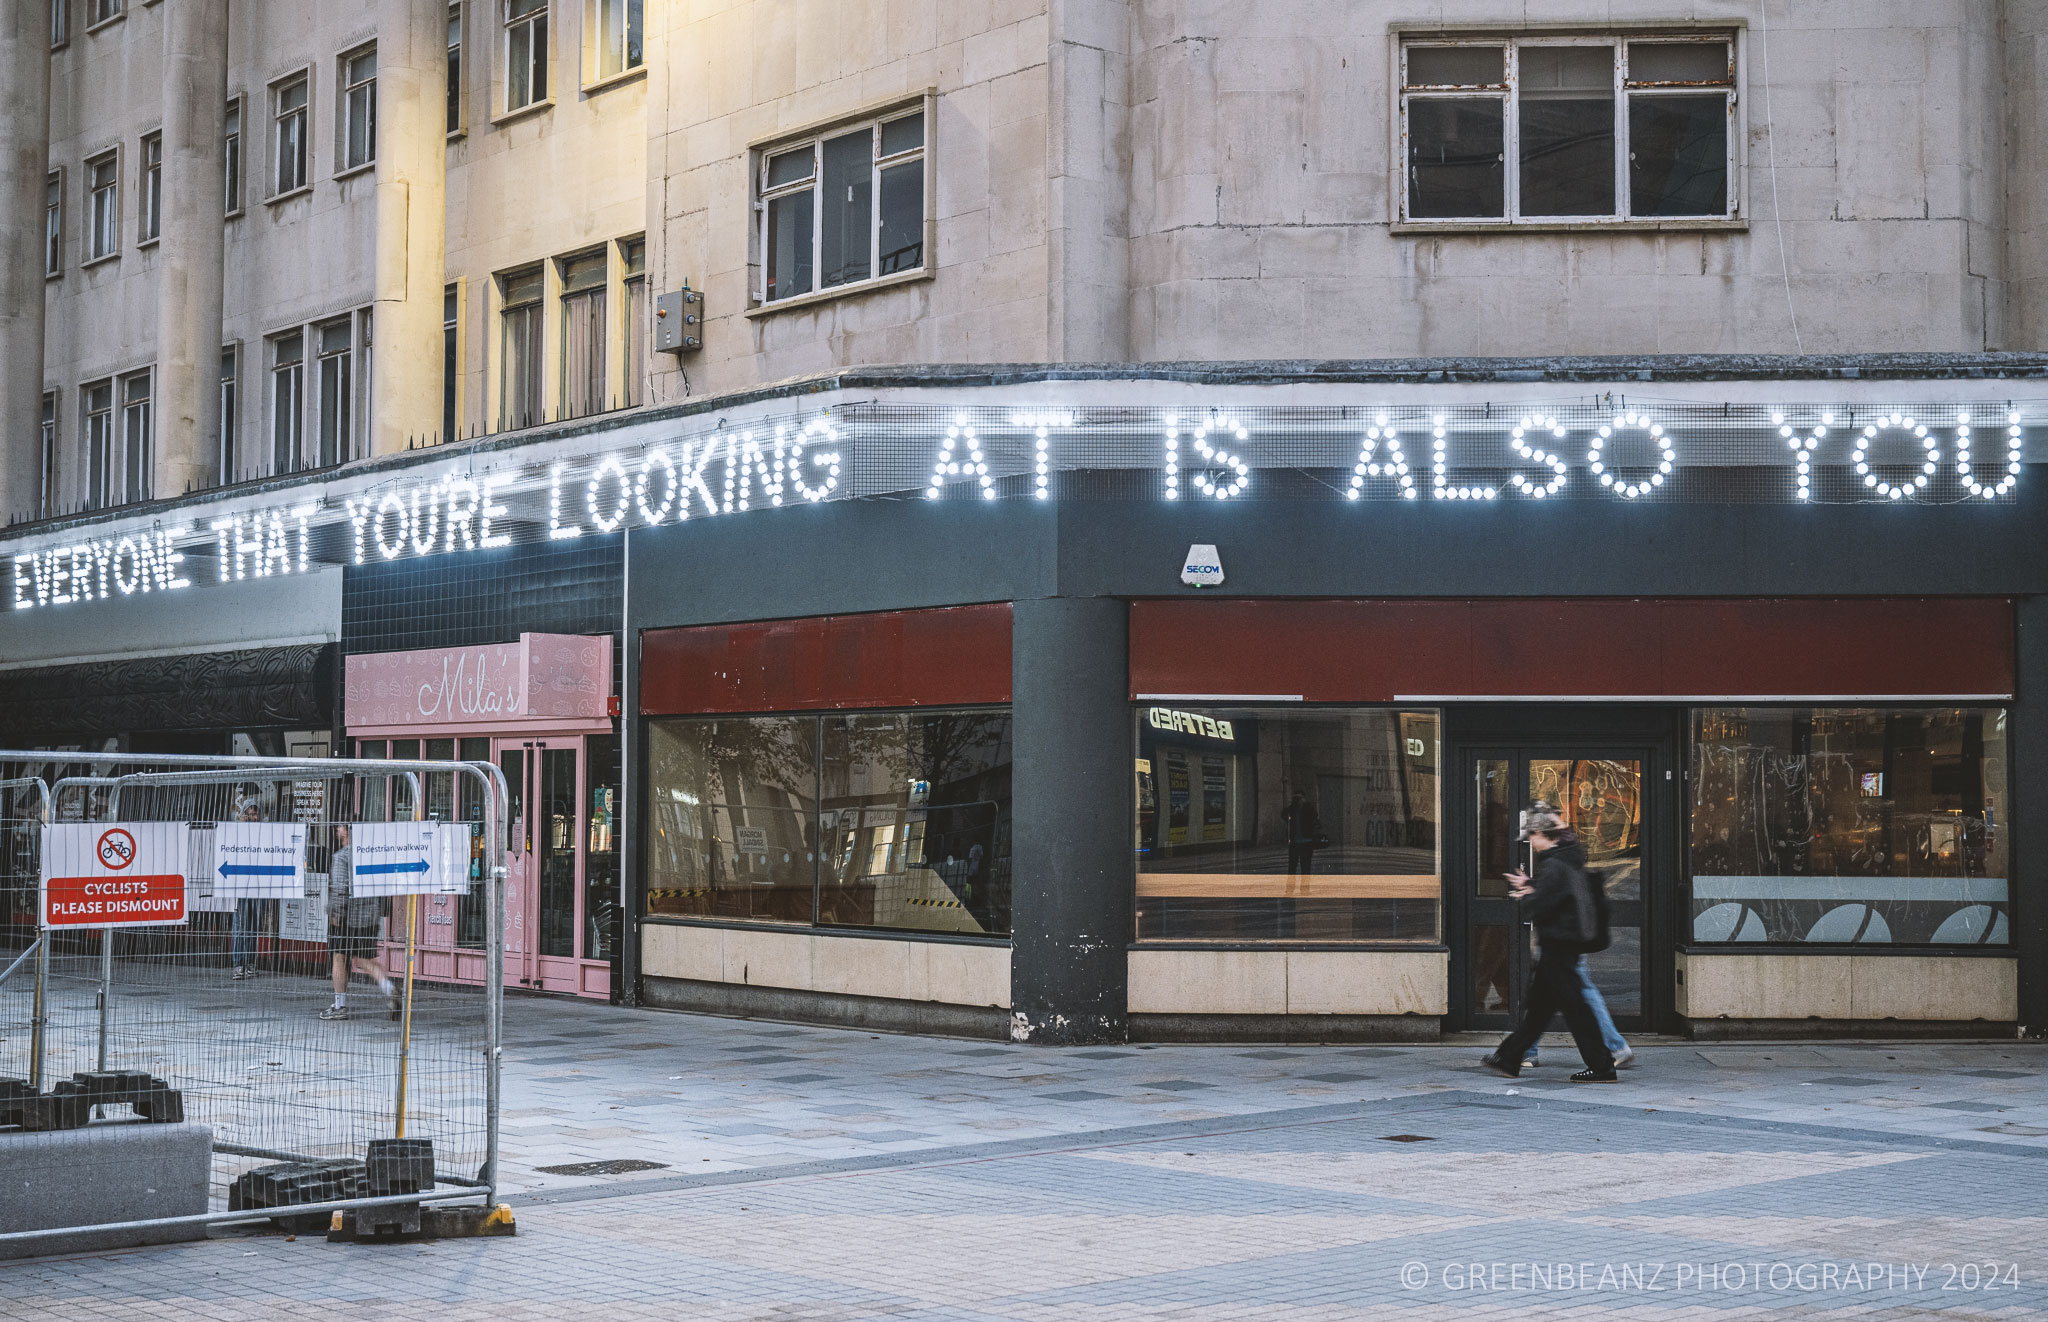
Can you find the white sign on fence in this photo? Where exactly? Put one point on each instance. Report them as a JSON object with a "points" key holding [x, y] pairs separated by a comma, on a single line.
{"points": [[259, 860], [304, 919], [411, 858], [123, 874]]}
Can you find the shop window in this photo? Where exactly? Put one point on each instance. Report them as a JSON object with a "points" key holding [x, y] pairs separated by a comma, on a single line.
{"points": [[583, 334], [602, 920], [1579, 129], [470, 914], [1850, 826], [526, 53], [843, 208], [1300, 824], [895, 821], [358, 108]]}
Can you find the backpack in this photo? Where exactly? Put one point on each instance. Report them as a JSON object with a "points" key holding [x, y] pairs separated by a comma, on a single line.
{"points": [[1595, 882]]}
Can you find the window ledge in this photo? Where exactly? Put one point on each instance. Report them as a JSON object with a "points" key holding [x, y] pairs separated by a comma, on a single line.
{"points": [[1675, 224], [53, 275], [457, 135], [236, 214], [301, 191], [818, 296], [524, 112], [354, 170], [106, 23], [91, 262], [632, 75], [825, 929], [144, 245]]}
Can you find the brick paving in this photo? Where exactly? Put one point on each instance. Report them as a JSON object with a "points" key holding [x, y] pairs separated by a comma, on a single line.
{"points": [[833, 1175]]}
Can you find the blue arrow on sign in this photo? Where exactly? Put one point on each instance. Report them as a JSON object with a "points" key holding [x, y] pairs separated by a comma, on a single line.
{"points": [[258, 870], [375, 869]]}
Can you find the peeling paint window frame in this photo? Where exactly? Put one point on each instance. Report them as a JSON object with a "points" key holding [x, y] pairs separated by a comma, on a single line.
{"points": [[883, 163], [1626, 90]]}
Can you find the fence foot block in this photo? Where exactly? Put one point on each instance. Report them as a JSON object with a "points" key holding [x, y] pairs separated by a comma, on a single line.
{"points": [[410, 1223]]}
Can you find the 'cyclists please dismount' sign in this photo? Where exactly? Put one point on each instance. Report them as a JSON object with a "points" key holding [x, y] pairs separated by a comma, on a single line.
{"points": [[127, 874]]}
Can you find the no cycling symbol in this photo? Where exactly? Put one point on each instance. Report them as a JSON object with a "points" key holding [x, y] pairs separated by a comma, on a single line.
{"points": [[117, 849]]}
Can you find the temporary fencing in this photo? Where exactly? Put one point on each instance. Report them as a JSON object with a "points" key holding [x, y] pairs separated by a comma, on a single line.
{"points": [[199, 941]]}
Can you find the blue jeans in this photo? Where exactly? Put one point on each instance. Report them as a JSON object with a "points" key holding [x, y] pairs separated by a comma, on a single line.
{"points": [[1610, 1036], [242, 936]]}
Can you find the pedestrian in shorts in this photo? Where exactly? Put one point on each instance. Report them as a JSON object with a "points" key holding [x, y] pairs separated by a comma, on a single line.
{"points": [[353, 928]]}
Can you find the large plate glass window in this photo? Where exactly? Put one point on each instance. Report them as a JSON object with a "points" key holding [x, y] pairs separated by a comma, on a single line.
{"points": [[1850, 826], [1294, 824], [1596, 128], [843, 208]]}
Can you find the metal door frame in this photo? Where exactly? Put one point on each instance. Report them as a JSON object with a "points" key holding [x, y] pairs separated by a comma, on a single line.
{"points": [[1653, 733]]}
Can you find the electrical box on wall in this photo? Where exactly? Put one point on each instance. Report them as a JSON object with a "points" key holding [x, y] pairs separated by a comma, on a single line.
{"points": [[679, 321]]}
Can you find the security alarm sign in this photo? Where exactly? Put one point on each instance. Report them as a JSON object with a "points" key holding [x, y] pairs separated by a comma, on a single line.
{"points": [[129, 874]]}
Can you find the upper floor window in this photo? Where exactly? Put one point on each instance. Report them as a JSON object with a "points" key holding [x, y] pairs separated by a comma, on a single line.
{"points": [[519, 383], [232, 193], [138, 432], [526, 53], [359, 108], [842, 208], [618, 26], [46, 484], [455, 68], [287, 399], [60, 23], [336, 350], [633, 262], [53, 225], [104, 11], [584, 330], [103, 207], [151, 218], [230, 408], [451, 358], [99, 443], [288, 113], [1550, 130]]}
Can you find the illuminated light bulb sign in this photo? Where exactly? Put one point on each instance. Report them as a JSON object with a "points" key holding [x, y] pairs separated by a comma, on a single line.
{"points": [[961, 456], [1369, 464], [1972, 479], [1600, 461], [1544, 483], [792, 445], [1803, 448], [1232, 474], [1041, 426], [1866, 444], [1440, 468]]}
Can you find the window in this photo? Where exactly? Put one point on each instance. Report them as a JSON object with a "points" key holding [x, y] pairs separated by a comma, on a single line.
{"points": [[46, 476], [633, 258], [53, 225], [366, 346], [103, 207], [104, 11], [359, 108], [455, 68], [99, 443], [287, 398], [526, 53], [843, 209], [896, 820], [451, 358], [1851, 825], [230, 409], [288, 111], [151, 227], [60, 23], [618, 29], [137, 437], [583, 335], [1596, 128], [336, 350], [232, 193], [1261, 824], [519, 399]]}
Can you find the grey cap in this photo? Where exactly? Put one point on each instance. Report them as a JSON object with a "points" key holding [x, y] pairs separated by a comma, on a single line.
{"points": [[1542, 817]]}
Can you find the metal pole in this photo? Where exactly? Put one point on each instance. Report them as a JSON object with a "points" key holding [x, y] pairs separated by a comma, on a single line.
{"points": [[106, 988], [412, 904], [496, 805], [41, 1015]]}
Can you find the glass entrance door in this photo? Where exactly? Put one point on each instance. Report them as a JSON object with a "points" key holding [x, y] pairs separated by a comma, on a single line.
{"points": [[1601, 793], [543, 865]]}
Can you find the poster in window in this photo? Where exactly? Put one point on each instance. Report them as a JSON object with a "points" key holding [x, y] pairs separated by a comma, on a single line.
{"points": [[1215, 799], [1176, 799]]}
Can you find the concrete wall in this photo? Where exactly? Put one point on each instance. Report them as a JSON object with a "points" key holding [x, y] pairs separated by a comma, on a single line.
{"points": [[954, 973], [1299, 982], [1844, 987]]}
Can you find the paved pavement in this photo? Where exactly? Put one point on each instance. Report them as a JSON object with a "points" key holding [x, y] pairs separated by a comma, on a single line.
{"points": [[830, 1175]]}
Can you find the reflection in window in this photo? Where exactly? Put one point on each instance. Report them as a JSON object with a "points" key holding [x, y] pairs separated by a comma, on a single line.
{"points": [[1850, 825], [1298, 825], [730, 818]]}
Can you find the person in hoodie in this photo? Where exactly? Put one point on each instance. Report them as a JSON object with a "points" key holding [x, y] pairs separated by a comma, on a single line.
{"points": [[1558, 901]]}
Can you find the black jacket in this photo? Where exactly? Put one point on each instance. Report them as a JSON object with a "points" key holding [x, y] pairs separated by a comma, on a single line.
{"points": [[1563, 913]]}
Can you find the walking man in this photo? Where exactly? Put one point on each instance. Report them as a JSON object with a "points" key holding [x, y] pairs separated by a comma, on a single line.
{"points": [[352, 931], [1559, 901], [1304, 831]]}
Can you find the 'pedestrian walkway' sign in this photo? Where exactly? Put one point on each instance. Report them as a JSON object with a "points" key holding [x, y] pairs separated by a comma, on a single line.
{"points": [[411, 858]]}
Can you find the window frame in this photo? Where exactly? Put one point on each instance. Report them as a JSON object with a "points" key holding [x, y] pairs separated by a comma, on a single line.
{"points": [[340, 393], [599, 326], [458, 104], [346, 162], [536, 354], [594, 76], [278, 88], [1618, 40], [48, 439], [541, 20], [53, 225], [228, 439], [60, 24], [815, 136], [100, 13], [95, 231], [137, 487], [452, 295], [149, 189], [634, 330], [234, 151], [97, 444], [296, 372]]}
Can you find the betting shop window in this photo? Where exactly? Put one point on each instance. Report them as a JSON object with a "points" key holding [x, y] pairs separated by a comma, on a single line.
{"points": [[843, 208], [1850, 826], [1296, 824], [1551, 130], [889, 820]]}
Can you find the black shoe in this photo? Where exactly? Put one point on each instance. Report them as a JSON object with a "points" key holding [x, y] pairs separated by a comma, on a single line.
{"points": [[1501, 1067], [1596, 1076]]}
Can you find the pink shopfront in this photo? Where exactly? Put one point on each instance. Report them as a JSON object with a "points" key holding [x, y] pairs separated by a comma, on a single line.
{"points": [[541, 708]]}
